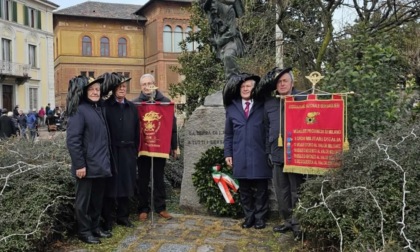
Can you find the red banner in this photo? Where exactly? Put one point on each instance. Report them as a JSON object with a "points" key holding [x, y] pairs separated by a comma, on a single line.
{"points": [[314, 134], [156, 121]]}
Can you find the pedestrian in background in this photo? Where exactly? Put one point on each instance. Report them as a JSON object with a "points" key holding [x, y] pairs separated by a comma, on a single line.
{"points": [[41, 116], [22, 124], [31, 122], [7, 127]]}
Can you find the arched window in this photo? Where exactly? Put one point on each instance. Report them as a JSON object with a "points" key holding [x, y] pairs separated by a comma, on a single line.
{"points": [[167, 39], [189, 44], [86, 46], [177, 38], [104, 46], [122, 47]]}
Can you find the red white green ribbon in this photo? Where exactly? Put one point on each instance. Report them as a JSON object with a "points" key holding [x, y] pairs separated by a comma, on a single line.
{"points": [[225, 183]]}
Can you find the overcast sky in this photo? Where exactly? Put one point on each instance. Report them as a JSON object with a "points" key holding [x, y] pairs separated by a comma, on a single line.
{"points": [[67, 3]]}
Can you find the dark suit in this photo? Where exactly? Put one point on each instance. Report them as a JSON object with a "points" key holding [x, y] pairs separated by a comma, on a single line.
{"points": [[245, 143]]}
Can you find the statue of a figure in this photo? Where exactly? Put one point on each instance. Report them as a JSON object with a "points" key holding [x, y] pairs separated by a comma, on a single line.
{"points": [[226, 38]]}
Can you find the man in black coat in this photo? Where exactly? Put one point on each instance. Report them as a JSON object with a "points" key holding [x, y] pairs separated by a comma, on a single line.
{"points": [[144, 163], [286, 185], [88, 144], [123, 121], [7, 127]]}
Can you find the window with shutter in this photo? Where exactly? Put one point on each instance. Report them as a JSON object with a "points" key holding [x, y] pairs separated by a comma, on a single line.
{"points": [[14, 18], [26, 15], [39, 19], [1, 8], [6, 10]]}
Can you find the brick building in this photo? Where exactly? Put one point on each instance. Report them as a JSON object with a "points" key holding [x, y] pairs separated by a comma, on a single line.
{"points": [[92, 38]]}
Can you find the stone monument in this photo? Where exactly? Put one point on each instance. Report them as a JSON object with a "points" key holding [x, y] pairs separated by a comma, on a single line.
{"points": [[203, 130]]}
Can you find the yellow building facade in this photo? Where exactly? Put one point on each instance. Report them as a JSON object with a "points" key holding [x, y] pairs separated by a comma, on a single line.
{"points": [[26, 54], [92, 38]]}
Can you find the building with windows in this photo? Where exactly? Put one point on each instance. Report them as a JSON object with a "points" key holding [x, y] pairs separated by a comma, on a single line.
{"points": [[92, 38], [26, 54]]}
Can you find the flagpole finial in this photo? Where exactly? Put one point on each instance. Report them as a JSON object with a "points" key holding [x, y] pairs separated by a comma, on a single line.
{"points": [[314, 78]]}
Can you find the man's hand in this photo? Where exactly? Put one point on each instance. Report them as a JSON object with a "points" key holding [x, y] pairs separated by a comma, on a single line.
{"points": [[81, 173], [174, 154], [229, 161]]}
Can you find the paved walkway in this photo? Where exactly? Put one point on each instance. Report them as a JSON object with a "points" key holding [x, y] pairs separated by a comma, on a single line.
{"points": [[44, 134], [203, 234]]}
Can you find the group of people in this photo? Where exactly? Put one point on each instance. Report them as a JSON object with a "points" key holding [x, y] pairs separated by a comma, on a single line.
{"points": [[17, 123], [253, 147], [103, 137]]}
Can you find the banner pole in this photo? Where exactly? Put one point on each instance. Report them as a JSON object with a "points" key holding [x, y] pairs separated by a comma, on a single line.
{"points": [[152, 204]]}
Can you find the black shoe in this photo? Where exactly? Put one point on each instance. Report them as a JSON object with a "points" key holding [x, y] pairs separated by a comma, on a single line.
{"points": [[90, 239], [102, 234], [282, 229], [259, 224], [125, 223], [248, 223]]}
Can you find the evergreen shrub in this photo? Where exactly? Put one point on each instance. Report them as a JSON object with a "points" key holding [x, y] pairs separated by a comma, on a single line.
{"points": [[208, 191], [362, 206], [36, 194]]}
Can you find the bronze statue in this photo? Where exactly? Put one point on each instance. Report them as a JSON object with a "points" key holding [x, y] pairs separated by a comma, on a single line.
{"points": [[226, 38]]}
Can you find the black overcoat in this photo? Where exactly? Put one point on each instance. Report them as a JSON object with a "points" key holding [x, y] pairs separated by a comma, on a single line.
{"points": [[124, 128], [88, 141], [7, 127]]}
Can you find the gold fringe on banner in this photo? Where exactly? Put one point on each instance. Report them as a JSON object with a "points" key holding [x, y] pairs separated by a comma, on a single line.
{"points": [[346, 145]]}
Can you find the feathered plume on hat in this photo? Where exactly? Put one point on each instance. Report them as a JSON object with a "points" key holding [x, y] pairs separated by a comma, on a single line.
{"points": [[77, 86], [111, 81], [268, 82], [232, 88]]}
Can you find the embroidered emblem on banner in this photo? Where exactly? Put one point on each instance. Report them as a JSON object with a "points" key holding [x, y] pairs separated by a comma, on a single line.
{"points": [[151, 125]]}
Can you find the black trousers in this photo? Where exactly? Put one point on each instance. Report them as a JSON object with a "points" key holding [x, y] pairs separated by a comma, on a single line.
{"points": [[286, 186], [144, 165], [115, 209], [254, 198], [88, 204]]}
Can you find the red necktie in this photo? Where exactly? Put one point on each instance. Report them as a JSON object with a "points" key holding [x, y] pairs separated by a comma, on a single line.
{"points": [[247, 109]]}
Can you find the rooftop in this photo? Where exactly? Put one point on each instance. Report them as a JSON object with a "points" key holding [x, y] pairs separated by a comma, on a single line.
{"points": [[101, 10]]}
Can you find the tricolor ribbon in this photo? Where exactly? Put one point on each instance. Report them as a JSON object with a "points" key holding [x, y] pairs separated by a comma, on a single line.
{"points": [[225, 183]]}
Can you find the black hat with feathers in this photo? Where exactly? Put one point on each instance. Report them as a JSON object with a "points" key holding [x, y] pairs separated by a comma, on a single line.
{"points": [[268, 82], [77, 87], [232, 88], [111, 81]]}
